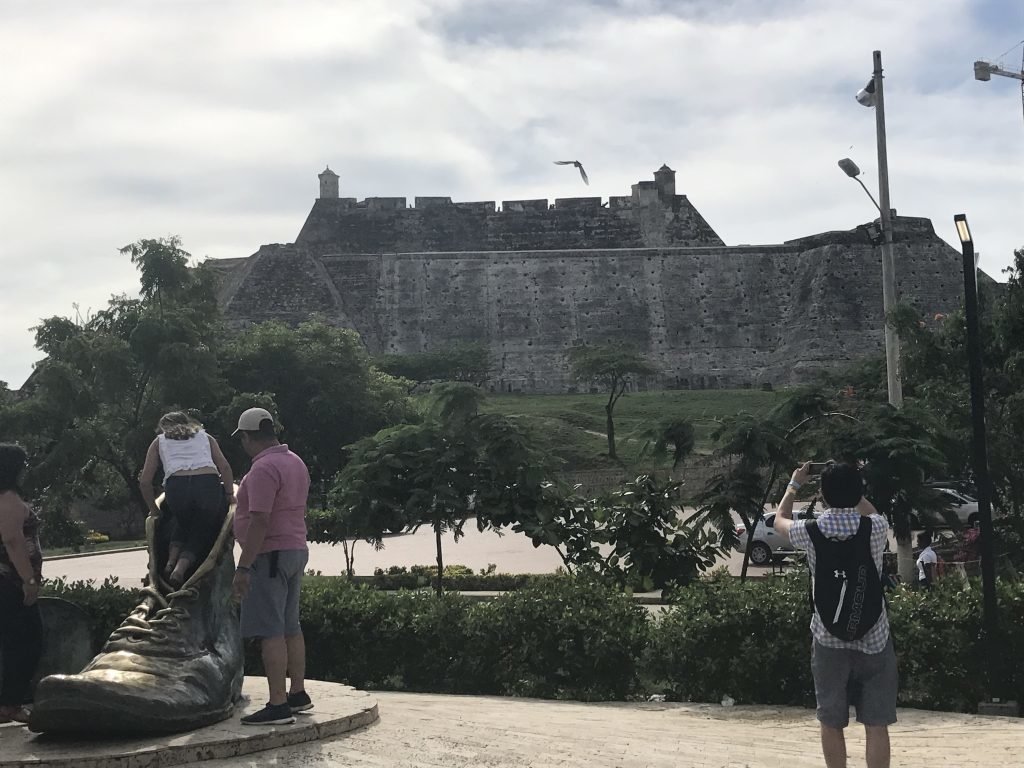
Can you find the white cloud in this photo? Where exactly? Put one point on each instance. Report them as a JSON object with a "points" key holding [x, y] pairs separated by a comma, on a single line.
{"points": [[210, 120]]}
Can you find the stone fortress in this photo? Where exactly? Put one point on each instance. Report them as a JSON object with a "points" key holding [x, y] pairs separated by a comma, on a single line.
{"points": [[530, 280]]}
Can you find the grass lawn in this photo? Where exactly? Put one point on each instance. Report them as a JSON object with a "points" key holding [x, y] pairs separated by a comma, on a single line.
{"points": [[572, 426]]}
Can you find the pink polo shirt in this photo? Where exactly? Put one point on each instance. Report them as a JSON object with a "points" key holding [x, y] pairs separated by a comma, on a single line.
{"points": [[278, 483]]}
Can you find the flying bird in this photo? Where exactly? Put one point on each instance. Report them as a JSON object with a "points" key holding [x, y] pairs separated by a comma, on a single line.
{"points": [[579, 165]]}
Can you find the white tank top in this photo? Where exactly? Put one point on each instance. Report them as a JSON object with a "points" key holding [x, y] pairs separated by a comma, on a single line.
{"points": [[178, 455]]}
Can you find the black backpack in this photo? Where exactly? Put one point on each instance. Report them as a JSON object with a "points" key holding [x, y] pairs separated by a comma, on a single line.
{"points": [[847, 590]]}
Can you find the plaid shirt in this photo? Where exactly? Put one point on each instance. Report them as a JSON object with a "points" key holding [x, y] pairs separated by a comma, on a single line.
{"points": [[842, 524]]}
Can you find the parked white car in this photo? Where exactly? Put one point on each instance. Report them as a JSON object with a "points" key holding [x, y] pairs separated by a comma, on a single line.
{"points": [[965, 508], [769, 544]]}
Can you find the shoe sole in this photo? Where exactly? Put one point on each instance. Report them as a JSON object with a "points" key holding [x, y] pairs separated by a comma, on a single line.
{"points": [[302, 708], [280, 721]]}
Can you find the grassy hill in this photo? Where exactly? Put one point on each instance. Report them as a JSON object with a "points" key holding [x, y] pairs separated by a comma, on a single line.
{"points": [[572, 426]]}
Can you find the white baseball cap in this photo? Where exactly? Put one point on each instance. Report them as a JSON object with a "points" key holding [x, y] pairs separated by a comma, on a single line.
{"points": [[251, 419]]}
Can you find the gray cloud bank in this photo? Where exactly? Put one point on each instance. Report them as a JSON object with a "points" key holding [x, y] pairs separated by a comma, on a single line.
{"points": [[210, 120]]}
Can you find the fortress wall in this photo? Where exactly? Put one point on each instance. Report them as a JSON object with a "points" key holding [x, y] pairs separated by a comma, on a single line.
{"points": [[706, 317], [437, 224]]}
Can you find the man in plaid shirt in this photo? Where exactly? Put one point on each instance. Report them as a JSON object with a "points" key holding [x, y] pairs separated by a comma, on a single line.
{"points": [[858, 672]]}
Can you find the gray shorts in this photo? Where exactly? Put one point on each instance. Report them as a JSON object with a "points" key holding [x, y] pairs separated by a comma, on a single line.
{"points": [[271, 609], [845, 678]]}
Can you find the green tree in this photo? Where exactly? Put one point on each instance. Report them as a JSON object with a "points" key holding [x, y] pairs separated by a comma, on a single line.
{"points": [[470, 363], [89, 410], [458, 462], [672, 438], [749, 450], [325, 388], [613, 367]]}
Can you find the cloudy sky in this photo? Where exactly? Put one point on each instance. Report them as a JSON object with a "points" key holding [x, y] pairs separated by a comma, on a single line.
{"points": [[211, 119]]}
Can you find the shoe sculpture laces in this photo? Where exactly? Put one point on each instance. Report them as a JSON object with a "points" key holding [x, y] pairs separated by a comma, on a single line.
{"points": [[174, 664]]}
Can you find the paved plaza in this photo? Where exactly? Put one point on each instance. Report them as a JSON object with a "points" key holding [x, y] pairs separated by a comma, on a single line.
{"points": [[433, 731], [424, 731]]}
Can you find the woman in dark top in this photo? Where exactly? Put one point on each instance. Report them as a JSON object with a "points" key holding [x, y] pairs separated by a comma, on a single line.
{"points": [[21, 560]]}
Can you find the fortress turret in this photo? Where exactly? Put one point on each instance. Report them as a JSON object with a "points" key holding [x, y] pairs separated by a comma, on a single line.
{"points": [[328, 184], [665, 181]]}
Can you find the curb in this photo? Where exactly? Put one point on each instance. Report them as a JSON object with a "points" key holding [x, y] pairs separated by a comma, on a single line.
{"points": [[75, 555]]}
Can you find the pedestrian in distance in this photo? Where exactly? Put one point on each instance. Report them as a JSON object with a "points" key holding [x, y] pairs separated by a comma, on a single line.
{"points": [[853, 661], [270, 524], [927, 561], [21, 563], [198, 490]]}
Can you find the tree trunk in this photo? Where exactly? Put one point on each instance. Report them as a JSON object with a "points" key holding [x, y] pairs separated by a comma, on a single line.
{"points": [[440, 557], [610, 429], [137, 508], [350, 558], [905, 560]]}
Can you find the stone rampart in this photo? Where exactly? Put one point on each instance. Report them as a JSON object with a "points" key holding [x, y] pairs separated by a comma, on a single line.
{"points": [[706, 315]]}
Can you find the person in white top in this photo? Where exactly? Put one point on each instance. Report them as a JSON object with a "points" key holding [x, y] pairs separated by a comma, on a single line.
{"points": [[198, 488], [927, 561]]}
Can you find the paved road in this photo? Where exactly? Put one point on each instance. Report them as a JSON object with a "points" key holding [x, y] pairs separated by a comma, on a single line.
{"points": [[511, 553], [428, 731]]}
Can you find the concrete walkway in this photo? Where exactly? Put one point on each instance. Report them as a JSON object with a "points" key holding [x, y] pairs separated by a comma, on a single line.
{"points": [[511, 553], [423, 731]]}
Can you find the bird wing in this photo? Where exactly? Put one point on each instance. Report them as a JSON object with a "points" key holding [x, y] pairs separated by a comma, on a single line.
{"points": [[565, 162], [583, 173]]}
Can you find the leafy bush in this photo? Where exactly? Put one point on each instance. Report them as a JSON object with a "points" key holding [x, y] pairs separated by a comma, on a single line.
{"points": [[573, 638], [371, 639], [565, 639], [750, 641], [106, 605], [57, 529], [456, 577]]}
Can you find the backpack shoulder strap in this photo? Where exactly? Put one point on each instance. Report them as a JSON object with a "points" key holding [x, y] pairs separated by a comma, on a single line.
{"points": [[863, 535], [817, 537]]}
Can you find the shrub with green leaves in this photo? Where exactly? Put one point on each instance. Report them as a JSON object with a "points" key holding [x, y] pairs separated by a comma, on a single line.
{"points": [[753, 643], [750, 641], [577, 638], [106, 605], [564, 639]]}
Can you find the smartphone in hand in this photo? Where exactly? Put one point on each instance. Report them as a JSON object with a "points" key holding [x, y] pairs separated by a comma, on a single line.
{"points": [[817, 467]]}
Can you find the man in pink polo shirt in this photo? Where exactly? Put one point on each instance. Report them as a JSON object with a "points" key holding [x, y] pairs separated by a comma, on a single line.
{"points": [[270, 524]]}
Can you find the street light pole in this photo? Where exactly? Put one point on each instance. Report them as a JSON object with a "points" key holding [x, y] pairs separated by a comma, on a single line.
{"points": [[892, 339], [981, 476]]}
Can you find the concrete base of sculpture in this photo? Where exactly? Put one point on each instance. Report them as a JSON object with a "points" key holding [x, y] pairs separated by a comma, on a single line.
{"points": [[337, 709]]}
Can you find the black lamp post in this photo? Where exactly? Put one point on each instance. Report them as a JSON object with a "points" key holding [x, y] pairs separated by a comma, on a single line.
{"points": [[981, 476]]}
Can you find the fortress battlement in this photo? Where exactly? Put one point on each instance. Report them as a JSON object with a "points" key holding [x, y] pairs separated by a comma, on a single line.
{"points": [[652, 216]]}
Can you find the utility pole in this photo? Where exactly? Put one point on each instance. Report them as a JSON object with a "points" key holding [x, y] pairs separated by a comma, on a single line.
{"points": [[892, 339]]}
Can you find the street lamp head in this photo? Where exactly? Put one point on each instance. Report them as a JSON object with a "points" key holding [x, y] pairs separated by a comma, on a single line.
{"points": [[866, 95], [849, 167], [874, 233], [962, 229], [982, 71]]}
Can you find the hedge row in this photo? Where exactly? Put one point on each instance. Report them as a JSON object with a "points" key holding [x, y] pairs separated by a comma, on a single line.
{"points": [[576, 639], [458, 578]]}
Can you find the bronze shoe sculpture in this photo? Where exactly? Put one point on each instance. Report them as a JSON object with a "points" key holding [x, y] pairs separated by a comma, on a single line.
{"points": [[174, 664]]}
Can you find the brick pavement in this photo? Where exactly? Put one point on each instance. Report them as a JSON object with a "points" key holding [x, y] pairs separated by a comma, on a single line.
{"points": [[428, 731]]}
